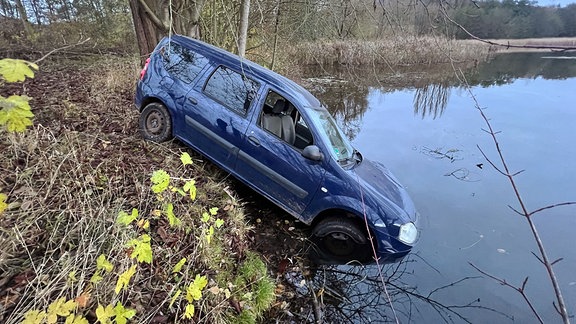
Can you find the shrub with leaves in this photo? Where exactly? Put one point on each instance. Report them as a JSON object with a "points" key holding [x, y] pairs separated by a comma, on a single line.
{"points": [[15, 111]]}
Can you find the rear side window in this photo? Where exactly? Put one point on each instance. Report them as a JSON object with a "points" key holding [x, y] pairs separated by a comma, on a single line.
{"points": [[182, 62], [231, 89]]}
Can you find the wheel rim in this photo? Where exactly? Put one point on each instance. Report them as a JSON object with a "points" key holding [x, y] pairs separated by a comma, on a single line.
{"points": [[339, 244], [155, 123]]}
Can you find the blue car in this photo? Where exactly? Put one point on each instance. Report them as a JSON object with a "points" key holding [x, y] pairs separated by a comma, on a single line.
{"points": [[277, 138]]}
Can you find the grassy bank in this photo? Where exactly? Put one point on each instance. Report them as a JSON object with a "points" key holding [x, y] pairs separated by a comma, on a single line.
{"points": [[533, 42], [70, 177], [405, 50]]}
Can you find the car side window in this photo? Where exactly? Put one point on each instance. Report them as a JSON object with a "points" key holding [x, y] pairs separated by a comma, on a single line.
{"points": [[182, 62], [232, 89], [282, 119]]}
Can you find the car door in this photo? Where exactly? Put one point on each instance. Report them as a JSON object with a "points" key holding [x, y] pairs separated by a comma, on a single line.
{"points": [[275, 167], [215, 114], [183, 66]]}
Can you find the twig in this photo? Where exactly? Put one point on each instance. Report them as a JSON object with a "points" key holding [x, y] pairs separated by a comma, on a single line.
{"points": [[315, 305], [518, 289], [552, 206], [59, 49], [504, 170]]}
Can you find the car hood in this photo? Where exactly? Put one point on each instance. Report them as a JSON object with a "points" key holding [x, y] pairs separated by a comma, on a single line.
{"points": [[390, 196]]}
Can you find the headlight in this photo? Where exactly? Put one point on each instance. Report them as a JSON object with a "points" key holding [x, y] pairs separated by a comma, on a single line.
{"points": [[408, 233]]}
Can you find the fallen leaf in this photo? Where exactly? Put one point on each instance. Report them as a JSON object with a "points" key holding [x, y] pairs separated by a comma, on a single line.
{"points": [[215, 290], [83, 299]]}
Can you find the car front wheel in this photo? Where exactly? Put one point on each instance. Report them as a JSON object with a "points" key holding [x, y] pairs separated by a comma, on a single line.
{"points": [[340, 240], [155, 123]]}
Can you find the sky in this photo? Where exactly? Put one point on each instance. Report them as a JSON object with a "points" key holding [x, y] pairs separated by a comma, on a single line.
{"points": [[563, 3]]}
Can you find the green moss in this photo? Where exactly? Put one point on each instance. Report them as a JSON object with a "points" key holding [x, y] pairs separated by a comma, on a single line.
{"points": [[255, 287]]}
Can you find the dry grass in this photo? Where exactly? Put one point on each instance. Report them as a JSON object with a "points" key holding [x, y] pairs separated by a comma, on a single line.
{"points": [[69, 176], [405, 50]]}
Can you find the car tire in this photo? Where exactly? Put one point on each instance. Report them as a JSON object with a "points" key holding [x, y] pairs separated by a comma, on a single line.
{"points": [[155, 123], [338, 240]]}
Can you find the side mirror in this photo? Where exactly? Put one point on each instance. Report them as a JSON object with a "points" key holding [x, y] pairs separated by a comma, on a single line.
{"points": [[312, 152]]}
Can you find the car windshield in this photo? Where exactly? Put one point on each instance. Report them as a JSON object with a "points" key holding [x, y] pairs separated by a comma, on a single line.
{"points": [[331, 134]]}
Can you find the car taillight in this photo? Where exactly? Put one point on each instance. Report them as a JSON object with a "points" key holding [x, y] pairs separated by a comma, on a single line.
{"points": [[143, 72]]}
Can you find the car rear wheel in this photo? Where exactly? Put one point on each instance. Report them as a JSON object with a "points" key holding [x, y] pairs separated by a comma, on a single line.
{"points": [[340, 240], [155, 123]]}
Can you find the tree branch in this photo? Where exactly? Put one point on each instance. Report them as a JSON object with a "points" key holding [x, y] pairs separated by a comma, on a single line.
{"points": [[157, 21], [518, 289], [80, 42], [508, 45]]}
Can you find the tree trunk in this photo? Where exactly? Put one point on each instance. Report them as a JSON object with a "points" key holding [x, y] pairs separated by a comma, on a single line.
{"points": [[24, 18], [147, 34], [153, 19], [276, 24], [243, 28]]}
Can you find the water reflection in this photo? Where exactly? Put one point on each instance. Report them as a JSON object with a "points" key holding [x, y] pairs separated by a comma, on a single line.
{"points": [[360, 294], [504, 69], [345, 91], [475, 205], [431, 100], [348, 102]]}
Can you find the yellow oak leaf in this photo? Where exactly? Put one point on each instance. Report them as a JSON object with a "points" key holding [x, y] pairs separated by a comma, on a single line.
{"points": [[185, 158], [59, 307], [34, 316], [104, 314], [15, 113], [103, 264], [76, 319], [188, 312], [124, 279], [123, 314], [3, 204], [179, 265]]}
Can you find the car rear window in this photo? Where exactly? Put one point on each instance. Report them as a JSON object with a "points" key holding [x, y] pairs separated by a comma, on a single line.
{"points": [[232, 89], [182, 62]]}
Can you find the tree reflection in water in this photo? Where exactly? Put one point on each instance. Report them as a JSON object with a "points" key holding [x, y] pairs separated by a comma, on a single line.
{"points": [[357, 294], [431, 99]]}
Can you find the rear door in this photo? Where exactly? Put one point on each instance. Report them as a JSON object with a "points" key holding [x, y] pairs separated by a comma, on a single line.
{"points": [[184, 67], [275, 167], [215, 113]]}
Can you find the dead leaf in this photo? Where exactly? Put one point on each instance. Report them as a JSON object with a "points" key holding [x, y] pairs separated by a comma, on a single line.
{"points": [[234, 303], [83, 299], [26, 205], [283, 265]]}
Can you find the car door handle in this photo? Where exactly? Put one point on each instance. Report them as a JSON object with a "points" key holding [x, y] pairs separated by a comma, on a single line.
{"points": [[193, 100], [254, 140]]}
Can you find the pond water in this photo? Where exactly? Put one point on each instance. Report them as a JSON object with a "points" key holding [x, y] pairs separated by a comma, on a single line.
{"points": [[429, 135]]}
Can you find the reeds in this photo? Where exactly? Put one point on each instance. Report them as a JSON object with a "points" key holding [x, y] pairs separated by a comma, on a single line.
{"points": [[405, 50]]}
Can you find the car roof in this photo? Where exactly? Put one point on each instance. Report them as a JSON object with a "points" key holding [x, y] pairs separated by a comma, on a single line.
{"points": [[219, 55]]}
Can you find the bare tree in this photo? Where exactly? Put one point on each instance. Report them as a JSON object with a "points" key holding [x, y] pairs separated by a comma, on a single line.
{"points": [[24, 18], [243, 30]]}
